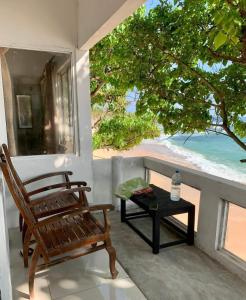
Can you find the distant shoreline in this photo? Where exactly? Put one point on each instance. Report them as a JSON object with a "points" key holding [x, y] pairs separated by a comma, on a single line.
{"points": [[163, 152], [148, 149]]}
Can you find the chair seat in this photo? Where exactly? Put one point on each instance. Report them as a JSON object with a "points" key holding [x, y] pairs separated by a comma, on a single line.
{"points": [[55, 205], [71, 232]]}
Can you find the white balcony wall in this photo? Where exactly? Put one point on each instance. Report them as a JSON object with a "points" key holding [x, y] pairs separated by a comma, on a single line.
{"points": [[102, 177], [109, 173], [38, 24], [214, 191]]}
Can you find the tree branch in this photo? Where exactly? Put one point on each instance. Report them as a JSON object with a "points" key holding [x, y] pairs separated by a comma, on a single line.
{"points": [[234, 137], [188, 138], [96, 91], [195, 72], [227, 57], [217, 132], [230, 2]]}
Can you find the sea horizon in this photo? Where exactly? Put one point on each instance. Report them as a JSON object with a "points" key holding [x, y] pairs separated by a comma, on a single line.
{"points": [[214, 154]]}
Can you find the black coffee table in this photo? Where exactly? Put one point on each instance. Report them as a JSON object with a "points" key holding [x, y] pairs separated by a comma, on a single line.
{"points": [[158, 206]]}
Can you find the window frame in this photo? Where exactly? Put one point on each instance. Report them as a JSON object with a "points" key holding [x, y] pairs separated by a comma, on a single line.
{"points": [[223, 231], [3, 124], [66, 69]]}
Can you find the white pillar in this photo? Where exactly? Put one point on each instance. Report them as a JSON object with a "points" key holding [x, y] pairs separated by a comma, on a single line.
{"points": [[84, 133], [117, 178], [210, 213]]}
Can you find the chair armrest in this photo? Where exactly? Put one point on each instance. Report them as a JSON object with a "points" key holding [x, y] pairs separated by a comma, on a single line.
{"points": [[43, 176], [67, 185], [101, 207], [57, 194], [104, 208]]}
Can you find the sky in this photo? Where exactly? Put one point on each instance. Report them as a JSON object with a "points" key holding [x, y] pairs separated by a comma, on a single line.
{"points": [[151, 3]]}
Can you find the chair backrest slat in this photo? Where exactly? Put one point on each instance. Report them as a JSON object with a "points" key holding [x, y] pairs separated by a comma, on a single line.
{"points": [[17, 196], [14, 173], [19, 199]]}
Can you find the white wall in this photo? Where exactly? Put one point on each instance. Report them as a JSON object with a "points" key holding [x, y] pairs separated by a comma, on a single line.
{"points": [[109, 173], [98, 18], [60, 23], [38, 24], [102, 177]]}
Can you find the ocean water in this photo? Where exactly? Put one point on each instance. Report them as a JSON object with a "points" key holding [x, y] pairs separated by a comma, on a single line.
{"points": [[214, 154]]}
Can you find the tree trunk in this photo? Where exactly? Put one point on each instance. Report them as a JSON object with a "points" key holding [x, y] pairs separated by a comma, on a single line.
{"points": [[234, 137]]}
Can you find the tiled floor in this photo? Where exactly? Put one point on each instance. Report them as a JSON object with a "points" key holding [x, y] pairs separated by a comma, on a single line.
{"points": [[86, 278]]}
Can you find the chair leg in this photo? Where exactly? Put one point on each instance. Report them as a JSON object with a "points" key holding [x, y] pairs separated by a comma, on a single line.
{"points": [[112, 258], [27, 239], [20, 222], [32, 268], [24, 229]]}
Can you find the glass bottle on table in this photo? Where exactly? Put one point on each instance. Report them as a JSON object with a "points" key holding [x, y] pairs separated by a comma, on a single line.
{"points": [[176, 186]]}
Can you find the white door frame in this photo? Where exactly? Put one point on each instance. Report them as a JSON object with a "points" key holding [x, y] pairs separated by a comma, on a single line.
{"points": [[5, 276]]}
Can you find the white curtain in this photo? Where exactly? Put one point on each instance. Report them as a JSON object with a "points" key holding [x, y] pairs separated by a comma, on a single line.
{"points": [[8, 101]]}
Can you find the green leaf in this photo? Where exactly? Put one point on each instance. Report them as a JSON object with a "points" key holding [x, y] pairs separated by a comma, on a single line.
{"points": [[219, 40], [235, 39]]}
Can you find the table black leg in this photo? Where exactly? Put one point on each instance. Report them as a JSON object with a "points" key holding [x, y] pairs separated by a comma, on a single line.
{"points": [[156, 234], [191, 223], [123, 210]]}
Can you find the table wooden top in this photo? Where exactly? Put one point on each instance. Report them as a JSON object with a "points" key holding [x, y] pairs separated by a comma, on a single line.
{"points": [[160, 201]]}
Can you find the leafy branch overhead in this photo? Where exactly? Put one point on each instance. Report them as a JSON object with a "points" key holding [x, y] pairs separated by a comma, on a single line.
{"points": [[187, 63]]}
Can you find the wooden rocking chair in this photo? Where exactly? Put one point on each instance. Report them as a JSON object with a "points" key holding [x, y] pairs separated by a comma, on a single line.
{"points": [[46, 206], [61, 233]]}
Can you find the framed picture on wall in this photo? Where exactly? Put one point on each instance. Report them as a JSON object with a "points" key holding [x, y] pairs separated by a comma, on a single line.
{"points": [[24, 109]]}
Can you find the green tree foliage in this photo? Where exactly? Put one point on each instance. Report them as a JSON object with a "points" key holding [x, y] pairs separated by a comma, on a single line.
{"points": [[124, 131], [187, 62], [111, 81]]}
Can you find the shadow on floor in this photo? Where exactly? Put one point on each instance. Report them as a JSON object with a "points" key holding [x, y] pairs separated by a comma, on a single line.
{"points": [[180, 272]]}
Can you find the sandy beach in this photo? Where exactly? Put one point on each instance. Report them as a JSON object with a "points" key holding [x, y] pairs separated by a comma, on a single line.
{"points": [[153, 150], [235, 238]]}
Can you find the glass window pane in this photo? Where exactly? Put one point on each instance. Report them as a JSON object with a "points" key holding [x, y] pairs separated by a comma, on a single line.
{"points": [[235, 239], [38, 102]]}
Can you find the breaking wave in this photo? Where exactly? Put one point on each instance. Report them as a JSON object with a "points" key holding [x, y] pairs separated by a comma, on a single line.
{"points": [[203, 163]]}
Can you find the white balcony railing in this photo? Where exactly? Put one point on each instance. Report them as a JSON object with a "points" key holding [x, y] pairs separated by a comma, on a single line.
{"points": [[215, 193]]}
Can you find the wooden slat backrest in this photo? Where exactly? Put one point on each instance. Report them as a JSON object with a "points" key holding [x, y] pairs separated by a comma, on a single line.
{"points": [[6, 154], [20, 202], [21, 186]]}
